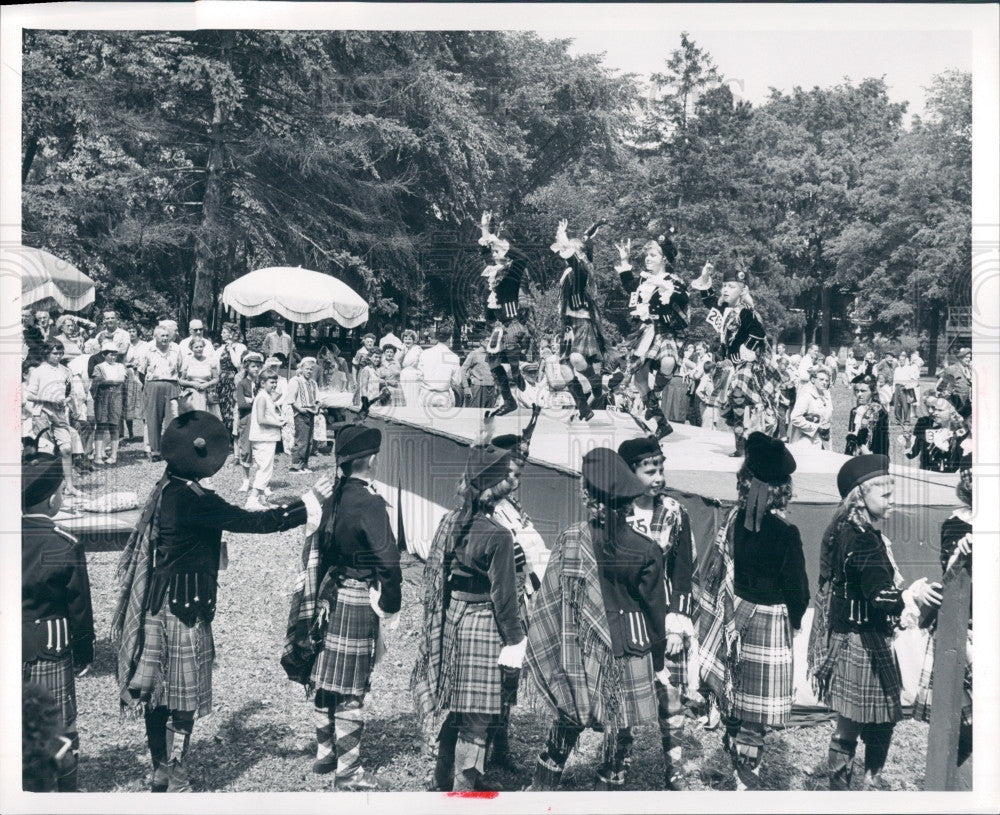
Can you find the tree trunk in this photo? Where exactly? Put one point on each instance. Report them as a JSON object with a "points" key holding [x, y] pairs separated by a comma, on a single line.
{"points": [[824, 299], [933, 332], [206, 241]]}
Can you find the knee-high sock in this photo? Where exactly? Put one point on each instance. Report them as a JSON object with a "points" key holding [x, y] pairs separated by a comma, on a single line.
{"points": [[877, 738], [595, 380], [549, 769], [349, 725], [470, 750], [324, 721], [156, 739], [179, 730], [444, 767], [66, 780], [503, 383], [617, 758], [840, 761], [576, 389]]}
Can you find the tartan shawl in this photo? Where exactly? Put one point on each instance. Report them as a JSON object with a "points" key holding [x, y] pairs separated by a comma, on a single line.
{"points": [[569, 634], [431, 680], [310, 604], [718, 631], [135, 568]]}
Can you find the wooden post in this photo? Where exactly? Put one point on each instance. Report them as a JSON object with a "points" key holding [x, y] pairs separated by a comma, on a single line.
{"points": [[948, 692]]}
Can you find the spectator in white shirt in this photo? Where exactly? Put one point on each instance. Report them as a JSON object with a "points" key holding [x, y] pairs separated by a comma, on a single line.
{"points": [[811, 417], [196, 329], [809, 361], [440, 373]]}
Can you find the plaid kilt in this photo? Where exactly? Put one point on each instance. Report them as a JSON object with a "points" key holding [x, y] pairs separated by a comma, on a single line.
{"points": [[471, 631], [854, 689], [345, 664], [648, 343], [633, 677], [56, 676], [925, 687], [513, 337], [580, 337], [763, 679], [176, 662]]}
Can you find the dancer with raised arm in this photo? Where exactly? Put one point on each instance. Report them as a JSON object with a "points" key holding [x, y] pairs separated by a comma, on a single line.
{"points": [[583, 344], [744, 344], [504, 278], [658, 301]]}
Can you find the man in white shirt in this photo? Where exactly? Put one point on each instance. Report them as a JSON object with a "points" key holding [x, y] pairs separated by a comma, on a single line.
{"points": [[808, 362], [196, 328], [440, 373], [111, 331]]}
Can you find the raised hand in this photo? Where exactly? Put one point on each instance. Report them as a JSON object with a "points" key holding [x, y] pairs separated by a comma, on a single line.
{"points": [[561, 229], [484, 221], [624, 250]]}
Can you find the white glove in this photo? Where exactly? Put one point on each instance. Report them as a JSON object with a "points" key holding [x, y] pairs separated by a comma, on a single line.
{"points": [[663, 677], [389, 621], [926, 595], [511, 656]]}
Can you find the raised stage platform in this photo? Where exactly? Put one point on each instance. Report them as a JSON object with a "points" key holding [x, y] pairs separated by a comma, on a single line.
{"points": [[424, 454]]}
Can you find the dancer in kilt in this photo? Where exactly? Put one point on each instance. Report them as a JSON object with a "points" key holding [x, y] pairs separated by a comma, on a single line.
{"points": [[755, 598], [956, 553], [504, 277], [596, 640], [853, 666], [658, 300], [168, 577], [583, 344], [744, 345], [57, 622], [359, 593], [472, 627], [662, 518]]}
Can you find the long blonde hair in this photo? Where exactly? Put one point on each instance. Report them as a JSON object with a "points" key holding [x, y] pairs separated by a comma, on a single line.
{"points": [[853, 510]]}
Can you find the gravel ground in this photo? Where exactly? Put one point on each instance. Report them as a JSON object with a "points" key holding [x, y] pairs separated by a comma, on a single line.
{"points": [[260, 734]]}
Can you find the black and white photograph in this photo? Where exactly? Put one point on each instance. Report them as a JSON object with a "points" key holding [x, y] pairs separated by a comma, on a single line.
{"points": [[460, 405]]}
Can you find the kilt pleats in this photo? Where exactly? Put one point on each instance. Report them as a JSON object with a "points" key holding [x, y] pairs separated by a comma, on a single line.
{"points": [[56, 676], [855, 690], [345, 664], [471, 630], [763, 680], [176, 663]]}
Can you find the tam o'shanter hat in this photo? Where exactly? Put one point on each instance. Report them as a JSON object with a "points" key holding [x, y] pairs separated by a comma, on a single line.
{"points": [[770, 463], [195, 445], [732, 275], [41, 475], [487, 467], [635, 450], [609, 479], [356, 441], [860, 469]]}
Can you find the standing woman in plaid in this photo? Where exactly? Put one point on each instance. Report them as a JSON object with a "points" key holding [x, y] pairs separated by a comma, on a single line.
{"points": [[853, 666], [57, 622], [168, 576], [765, 581], [504, 277], [658, 300], [662, 518], [360, 591], [583, 344], [472, 625], [744, 344], [596, 640]]}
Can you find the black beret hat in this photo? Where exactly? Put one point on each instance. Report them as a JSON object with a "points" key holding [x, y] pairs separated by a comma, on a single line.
{"points": [[488, 466], [195, 444], [357, 441], [635, 450], [41, 475], [860, 469], [768, 458], [508, 441], [731, 275], [609, 479]]}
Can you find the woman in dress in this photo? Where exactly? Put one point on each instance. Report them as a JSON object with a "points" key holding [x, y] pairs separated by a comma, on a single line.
{"points": [[107, 384], [860, 604], [134, 407], [409, 375], [230, 357], [868, 424], [390, 369], [813, 411], [199, 376]]}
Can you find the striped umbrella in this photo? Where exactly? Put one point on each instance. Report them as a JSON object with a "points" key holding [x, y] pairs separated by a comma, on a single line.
{"points": [[47, 280]]}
